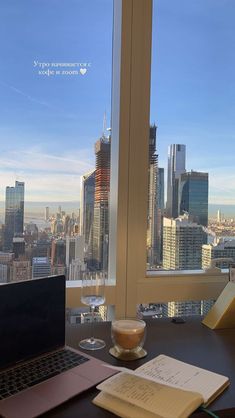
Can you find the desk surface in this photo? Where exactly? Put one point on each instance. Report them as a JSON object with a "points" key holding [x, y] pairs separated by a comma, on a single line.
{"points": [[190, 342]]}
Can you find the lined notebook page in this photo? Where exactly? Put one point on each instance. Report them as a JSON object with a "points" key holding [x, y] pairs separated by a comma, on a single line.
{"points": [[121, 408], [156, 398], [182, 375]]}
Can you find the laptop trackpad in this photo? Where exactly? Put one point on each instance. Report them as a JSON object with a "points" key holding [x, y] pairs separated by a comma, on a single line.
{"points": [[43, 397]]}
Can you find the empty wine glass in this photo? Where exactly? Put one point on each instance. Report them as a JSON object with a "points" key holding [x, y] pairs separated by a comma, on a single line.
{"points": [[92, 294]]}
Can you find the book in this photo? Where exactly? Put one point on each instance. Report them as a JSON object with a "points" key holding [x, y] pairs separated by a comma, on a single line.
{"points": [[162, 388], [222, 313]]}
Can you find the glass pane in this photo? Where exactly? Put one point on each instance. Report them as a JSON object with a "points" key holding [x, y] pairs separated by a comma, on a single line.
{"points": [[55, 106], [174, 309], [191, 205]]}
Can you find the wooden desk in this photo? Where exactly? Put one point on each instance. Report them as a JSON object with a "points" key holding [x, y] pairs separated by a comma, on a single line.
{"points": [[190, 342]]}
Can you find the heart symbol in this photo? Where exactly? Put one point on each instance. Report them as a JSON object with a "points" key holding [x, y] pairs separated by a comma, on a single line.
{"points": [[83, 71]]}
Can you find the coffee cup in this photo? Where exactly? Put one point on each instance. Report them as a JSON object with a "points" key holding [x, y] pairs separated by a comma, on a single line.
{"points": [[128, 336]]}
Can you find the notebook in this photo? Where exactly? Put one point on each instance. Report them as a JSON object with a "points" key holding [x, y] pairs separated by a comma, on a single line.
{"points": [[162, 388], [37, 371]]}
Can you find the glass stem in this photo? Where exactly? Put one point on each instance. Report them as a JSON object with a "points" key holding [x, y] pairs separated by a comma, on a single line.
{"points": [[92, 323]]}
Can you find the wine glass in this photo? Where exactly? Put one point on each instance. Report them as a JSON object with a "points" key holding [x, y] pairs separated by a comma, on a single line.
{"points": [[92, 294]]}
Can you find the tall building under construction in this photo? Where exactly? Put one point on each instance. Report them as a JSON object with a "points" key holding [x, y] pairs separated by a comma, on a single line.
{"points": [[101, 204]]}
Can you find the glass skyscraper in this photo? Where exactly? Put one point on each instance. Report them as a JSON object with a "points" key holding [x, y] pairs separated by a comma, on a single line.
{"points": [[193, 196], [14, 214], [87, 205], [87, 213], [176, 166]]}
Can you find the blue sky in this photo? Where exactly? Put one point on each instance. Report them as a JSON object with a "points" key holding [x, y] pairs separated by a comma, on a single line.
{"points": [[48, 125], [193, 87]]}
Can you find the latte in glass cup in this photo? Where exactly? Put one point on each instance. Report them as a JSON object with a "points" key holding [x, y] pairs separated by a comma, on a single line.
{"points": [[128, 335]]}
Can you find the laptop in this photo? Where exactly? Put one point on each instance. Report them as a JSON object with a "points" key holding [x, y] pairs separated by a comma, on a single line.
{"points": [[37, 371]]}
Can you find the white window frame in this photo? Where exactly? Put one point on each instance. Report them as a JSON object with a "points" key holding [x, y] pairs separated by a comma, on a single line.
{"points": [[129, 283]]}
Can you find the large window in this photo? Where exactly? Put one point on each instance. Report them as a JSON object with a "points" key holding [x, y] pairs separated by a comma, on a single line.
{"points": [[191, 202], [56, 64], [52, 121]]}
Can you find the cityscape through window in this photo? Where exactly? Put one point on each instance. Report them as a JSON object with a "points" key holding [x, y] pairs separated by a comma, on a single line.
{"points": [[191, 207], [55, 137]]}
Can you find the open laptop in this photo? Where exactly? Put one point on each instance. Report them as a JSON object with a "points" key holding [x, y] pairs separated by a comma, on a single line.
{"points": [[37, 371]]}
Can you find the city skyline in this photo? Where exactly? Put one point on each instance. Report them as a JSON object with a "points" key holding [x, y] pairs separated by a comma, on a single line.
{"points": [[49, 125]]}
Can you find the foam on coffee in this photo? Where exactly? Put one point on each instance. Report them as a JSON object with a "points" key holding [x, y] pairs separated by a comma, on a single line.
{"points": [[128, 334]]}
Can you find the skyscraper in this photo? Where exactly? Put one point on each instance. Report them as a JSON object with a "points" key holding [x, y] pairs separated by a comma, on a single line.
{"points": [[161, 189], [58, 252], [193, 196], [41, 267], [74, 249], [87, 213], [47, 213], [176, 166], [101, 204], [18, 246], [161, 209], [182, 244], [152, 199], [14, 214]]}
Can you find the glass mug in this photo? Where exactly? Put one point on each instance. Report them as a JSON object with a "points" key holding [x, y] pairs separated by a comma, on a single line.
{"points": [[128, 336]]}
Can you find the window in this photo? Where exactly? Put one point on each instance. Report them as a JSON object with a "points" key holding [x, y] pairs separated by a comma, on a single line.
{"points": [[55, 137], [131, 177], [191, 131]]}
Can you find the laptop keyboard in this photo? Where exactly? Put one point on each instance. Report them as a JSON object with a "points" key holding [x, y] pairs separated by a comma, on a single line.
{"points": [[26, 375]]}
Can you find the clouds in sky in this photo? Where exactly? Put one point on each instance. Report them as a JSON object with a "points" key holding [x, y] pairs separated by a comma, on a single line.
{"points": [[47, 177]]}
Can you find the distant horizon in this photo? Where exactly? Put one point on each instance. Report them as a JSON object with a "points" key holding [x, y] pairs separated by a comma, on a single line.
{"points": [[32, 208]]}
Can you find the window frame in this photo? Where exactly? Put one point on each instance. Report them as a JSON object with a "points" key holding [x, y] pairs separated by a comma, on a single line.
{"points": [[128, 283]]}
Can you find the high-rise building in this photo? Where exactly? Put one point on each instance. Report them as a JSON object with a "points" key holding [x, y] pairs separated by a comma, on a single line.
{"points": [[74, 249], [87, 213], [182, 244], [18, 246], [3, 273], [176, 166], [20, 270], [75, 257], [6, 260], [58, 252], [152, 199], [101, 204], [219, 217], [14, 214], [193, 196], [41, 267], [41, 248], [76, 269], [47, 213], [95, 206], [161, 189], [221, 249], [31, 233], [161, 210]]}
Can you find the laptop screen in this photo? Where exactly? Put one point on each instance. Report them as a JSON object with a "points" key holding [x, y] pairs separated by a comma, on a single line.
{"points": [[32, 318]]}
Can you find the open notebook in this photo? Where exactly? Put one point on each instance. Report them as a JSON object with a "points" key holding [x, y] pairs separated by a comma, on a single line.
{"points": [[162, 388]]}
